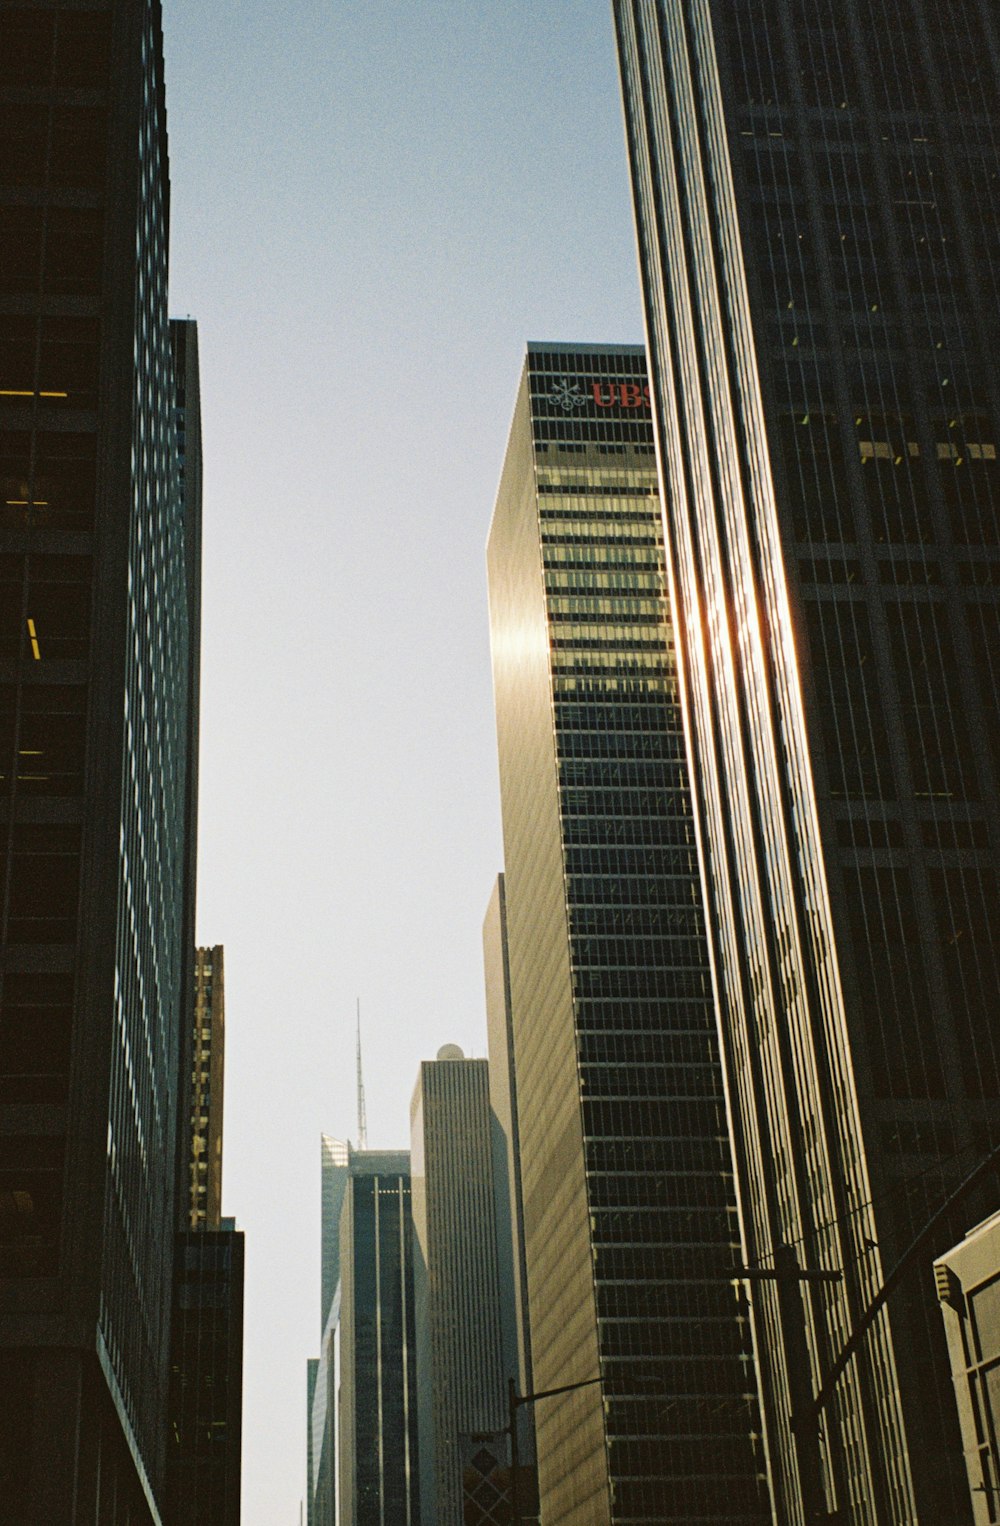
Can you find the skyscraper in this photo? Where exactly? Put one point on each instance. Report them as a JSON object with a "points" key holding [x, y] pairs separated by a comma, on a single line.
{"points": [[200, 1096], [378, 1474], [321, 1378], [312, 1466], [460, 1359], [817, 192], [96, 732], [629, 1210], [205, 1078], [205, 1434], [335, 1156], [204, 1423], [507, 1152]]}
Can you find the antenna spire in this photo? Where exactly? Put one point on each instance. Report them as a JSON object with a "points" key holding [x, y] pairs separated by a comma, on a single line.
{"points": [[362, 1121]]}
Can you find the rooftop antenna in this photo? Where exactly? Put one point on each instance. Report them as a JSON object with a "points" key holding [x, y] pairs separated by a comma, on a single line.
{"points": [[362, 1121]]}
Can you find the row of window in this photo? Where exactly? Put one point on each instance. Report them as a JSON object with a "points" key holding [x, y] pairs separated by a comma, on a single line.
{"points": [[681, 1258], [669, 918], [47, 480], [657, 1081], [650, 1193], [55, 49], [697, 1152], [645, 832], [31, 1189], [620, 1045], [675, 1013]]}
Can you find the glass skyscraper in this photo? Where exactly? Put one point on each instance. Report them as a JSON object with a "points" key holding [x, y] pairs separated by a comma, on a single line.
{"points": [[98, 553], [629, 1209], [321, 1372], [378, 1477], [817, 190]]}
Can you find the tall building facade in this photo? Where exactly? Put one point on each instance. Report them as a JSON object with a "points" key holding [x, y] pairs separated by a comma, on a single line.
{"points": [[205, 1434], [205, 1091], [198, 971], [312, 1374], [335, 1158], [377, 1466], [817, 192], [322, 1372], [460, 1359], [508, 1191], [205, 1419], [96, 736], [507, 1155], [629, 1210]]}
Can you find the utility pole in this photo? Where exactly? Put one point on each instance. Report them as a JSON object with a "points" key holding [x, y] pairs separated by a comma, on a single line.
{"points": [[804, 1418]]}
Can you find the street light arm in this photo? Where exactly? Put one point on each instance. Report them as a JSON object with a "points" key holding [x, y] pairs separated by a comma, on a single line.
{"points": [[915, 1249], [514, 1402], [550, 1393]]}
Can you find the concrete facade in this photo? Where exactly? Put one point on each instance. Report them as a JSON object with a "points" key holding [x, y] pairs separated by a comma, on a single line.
{"points": [[968, 1288]]}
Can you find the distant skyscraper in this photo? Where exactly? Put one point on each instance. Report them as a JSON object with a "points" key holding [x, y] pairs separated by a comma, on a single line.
{"points": [[461, 1374], [312, 1374], [334, 1163], [629, 1210], [378, 1475], [321, 1386], [97, 726], [187, 436], [204, 1430], [817, 192], [205, 1083]]}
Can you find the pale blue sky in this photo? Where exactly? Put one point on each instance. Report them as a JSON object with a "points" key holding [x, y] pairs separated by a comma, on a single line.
{"points": [[375, 204]]}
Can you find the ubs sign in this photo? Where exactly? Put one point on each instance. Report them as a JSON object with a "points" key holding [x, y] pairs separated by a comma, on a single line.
{"points": [[571, 395]]}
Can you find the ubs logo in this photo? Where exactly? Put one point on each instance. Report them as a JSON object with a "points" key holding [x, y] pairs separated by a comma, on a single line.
{"points": [[570, 396], [620, 395]]}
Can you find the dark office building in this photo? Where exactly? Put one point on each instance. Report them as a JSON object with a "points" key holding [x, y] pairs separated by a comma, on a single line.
{"points": [[204, 1446], [204, 1423], [629, 1211], [204, 1430], [817, 191], [377, 1471], [199, 1132], [96, 729]]}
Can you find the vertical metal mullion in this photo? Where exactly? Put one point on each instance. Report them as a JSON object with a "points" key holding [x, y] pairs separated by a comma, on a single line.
{"points": [[378, 1351]]}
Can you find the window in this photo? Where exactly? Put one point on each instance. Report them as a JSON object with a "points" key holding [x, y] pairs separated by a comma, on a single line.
{"points": [[44, 883], [30, 1204], [36, 1012]]}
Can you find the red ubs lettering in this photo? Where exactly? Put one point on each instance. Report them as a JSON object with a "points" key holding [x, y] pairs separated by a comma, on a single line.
{"points": [[620, 395]]}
